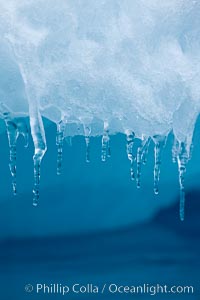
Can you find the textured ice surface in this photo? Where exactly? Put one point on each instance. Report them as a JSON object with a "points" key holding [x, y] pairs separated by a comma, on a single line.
{"points": [[112, 66], [133, 62]]}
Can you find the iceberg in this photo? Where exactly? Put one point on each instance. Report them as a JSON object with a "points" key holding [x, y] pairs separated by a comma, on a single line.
{"points": [[100, 68]]}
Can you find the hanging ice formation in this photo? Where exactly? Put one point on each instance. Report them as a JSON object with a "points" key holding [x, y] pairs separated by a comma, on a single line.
{"points": [[87, 132], [59, 142], [137, 156], [130, 141], [159, 141], [14, 128], [114, 66], [105, 152]]}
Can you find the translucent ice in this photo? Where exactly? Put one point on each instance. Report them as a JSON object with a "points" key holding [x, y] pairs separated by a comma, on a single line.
{"points": [[134, 65]]}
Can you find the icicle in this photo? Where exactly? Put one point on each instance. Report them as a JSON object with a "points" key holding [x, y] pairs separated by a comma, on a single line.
{"points": [[38, 134], [23, 130], [139, 160], [13, 134], [87, 131], [145, 150], [175, 150], [105, 150], [14, 127], [159, 141], [182, 159], [129, 149], [59, 142], [37, 163], [141, 157]]}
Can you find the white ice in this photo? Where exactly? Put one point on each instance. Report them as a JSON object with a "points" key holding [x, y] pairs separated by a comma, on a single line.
{"points": [[135, 64]]}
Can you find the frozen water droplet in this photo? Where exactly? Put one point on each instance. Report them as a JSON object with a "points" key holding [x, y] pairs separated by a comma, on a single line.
{"points": [[159, 141], [130, 136], [59, 142], [87, 131], [105, 150], [182, 159]]}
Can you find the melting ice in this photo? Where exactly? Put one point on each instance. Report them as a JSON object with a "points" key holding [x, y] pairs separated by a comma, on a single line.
{"points": [[98, 68]]}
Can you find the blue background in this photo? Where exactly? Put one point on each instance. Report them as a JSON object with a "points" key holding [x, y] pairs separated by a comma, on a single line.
{"points": [[94, 226]]}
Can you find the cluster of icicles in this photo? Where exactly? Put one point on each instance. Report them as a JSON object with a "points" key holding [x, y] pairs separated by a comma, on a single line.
{"points": [[18, 126]]}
